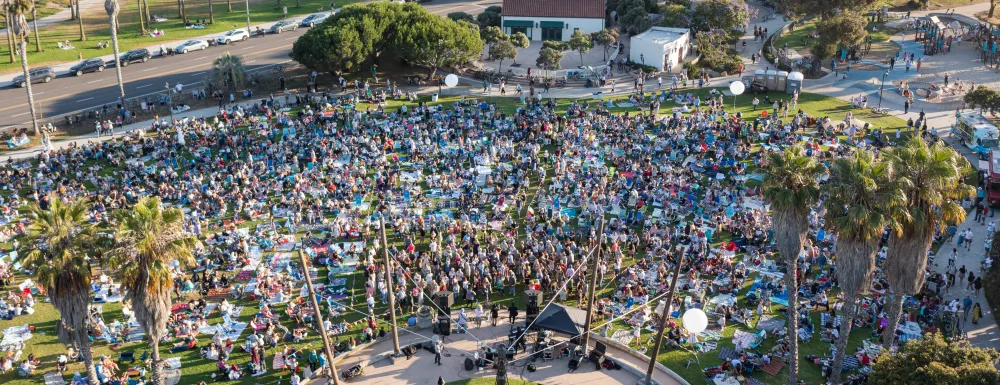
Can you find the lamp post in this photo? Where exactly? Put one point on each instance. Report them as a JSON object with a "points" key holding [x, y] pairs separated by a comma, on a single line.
{"points": [[248, 18], [642, 58], [170, 102], [880, 88], [663, 319], [388, 285]]}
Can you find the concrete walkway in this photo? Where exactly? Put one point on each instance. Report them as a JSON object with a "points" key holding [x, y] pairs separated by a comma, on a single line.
{"points": [[63, 15]]}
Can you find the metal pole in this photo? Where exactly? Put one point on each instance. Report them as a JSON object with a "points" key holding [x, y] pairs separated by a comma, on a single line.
{"points": [[319, 319], [170, 102], [880, 88], [248, 18], [592, 291], [388, 285], [663, 320]]}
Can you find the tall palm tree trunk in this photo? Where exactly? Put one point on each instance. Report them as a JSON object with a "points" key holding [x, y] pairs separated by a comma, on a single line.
{"points": [[145, 11], [849, 310], [72, 306], [34, 24], [183, 10], [114, 47], [142, 22], [790, 227], [157, 368], [83, 341], [27, 85], [79, 17], [904, 271], [229, 6], [10, 36], [211, 13], [72, 10], [180, 10]]}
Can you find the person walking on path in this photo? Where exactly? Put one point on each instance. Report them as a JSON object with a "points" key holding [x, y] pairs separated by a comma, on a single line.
{"points": [[972, 281], [979, 284], [977, 311], [437, 353], [968, 239], [966, 306]]}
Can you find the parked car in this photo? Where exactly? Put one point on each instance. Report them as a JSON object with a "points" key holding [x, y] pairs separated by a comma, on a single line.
{"points": [[283, 25], [89, 65], [191, 45], [136, 55], [233, 35], [316, 18], [38, 75]]}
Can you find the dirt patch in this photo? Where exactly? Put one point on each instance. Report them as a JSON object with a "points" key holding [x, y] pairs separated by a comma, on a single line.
{"points": [[984, 16]]}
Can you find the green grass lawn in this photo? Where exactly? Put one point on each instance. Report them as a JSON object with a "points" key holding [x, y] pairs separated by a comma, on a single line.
{"points": [[912, 5], [97, 28], [46, 346], [801, 41]]}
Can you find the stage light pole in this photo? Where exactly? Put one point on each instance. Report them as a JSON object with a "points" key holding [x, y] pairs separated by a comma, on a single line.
{"points": [[592, 291], [880, 88], [319, 319], [664, 317], [388, 286]]}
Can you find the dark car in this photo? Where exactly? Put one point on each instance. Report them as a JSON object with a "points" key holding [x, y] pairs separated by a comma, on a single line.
{"points": [[89, 65], [38, 75], [283, 25], [140, 55]]}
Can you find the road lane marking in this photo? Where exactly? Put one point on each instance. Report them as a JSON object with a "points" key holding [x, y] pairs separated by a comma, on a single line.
{"points": [[150, 69], [146, 77], [95, 81], [14, 116], [84, 100], [292, 38], [144, 85]]}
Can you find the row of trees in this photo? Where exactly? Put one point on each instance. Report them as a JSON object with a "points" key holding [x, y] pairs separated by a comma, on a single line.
{"points": [[985, 99], [63, 246], [361, 33], [16, 11], [911, 190]]}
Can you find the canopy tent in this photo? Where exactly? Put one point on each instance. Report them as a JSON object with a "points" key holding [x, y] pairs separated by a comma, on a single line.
{"points": [[562, 319]]}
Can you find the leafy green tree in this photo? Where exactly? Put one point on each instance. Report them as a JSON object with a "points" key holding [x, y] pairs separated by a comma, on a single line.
{"points": [[843, 29], [605, 38], [548, 59], [429, 40], [519, 40], [581, 43], [488, 19], [555, 45], [984, 98], [722, 14], [862, 200], [149, 239], [56, 248], [501, 51], [495, 9], [491, 35], [931, 176], [456, 16], [228, 72], [791, 186], [933, 360], [636, 21], [676, 15]]}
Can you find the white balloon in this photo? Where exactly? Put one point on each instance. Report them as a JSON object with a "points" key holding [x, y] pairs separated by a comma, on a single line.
{"points": [[451, 80], [695, 320], [737, 87]]}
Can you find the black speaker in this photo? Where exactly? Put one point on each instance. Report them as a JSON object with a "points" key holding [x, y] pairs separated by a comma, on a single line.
{"points": [[469, 365], [574, 364], [444, 300], [600, 348], [596, 356], [528, 319], [533, 297], [444, 326]]}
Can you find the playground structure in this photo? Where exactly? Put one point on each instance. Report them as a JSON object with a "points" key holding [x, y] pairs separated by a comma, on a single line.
{"points": [[937, 36], [985, 37]]}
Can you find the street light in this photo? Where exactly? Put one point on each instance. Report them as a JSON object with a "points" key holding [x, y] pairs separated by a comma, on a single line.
{"points": [[170, 103], [880, 88]]}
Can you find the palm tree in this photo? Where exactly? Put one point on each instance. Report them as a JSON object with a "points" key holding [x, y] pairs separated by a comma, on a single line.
{"points": [[19, 29], [149, 239], [211, 13], [229, 5], [791, 186], [34, 25], [10, 36], [79, 17], [112, 8], [862, 201], [228, 72], [931, 177], [59, 238]]}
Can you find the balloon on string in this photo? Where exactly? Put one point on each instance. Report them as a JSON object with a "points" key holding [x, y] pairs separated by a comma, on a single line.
{"points": [[451, 80], [695, 321], [737, 87]]}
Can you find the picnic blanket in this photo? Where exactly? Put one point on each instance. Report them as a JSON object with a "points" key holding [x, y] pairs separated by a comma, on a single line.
{"points": [[744, 340], [728, 354], [228, 328], [774, 367], [824, 319], [173, 362], [53, 378], [754, 381], [851, 363], [623, 337], [771, 324], [723, 299], [171, 376], [710, 335], [15, 335], [101, 294]]}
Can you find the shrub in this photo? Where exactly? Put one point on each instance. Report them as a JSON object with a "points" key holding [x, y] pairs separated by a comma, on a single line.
{"points": [[691, 69]]}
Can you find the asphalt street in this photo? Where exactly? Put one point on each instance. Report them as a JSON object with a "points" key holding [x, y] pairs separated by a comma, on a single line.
{"points": [[68, 93]]}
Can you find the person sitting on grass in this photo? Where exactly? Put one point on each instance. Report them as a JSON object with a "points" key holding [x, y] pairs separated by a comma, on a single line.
{"points": [[187, 344]]}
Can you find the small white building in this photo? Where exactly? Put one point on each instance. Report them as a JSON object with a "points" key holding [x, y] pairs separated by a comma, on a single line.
{"points": [[552, 19], [661, 47]]}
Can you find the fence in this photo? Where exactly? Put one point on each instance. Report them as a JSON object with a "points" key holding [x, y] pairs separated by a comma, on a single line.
{"points": [[144, 107]]}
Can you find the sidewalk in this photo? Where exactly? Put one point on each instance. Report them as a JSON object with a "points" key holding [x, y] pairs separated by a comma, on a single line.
{"points": [[63, 15]]}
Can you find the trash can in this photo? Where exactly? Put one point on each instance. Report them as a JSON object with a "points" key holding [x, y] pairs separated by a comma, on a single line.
{"points": [[434, 97], [794, 82]]}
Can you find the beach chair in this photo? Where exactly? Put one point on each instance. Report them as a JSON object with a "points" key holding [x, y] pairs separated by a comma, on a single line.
{"points": [[126, 357]]}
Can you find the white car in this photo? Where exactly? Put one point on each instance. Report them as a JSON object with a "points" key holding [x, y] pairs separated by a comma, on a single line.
{"points": [[191, 45], [233, 35]]}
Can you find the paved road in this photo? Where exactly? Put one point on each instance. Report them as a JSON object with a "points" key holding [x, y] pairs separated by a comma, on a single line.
{"points": [[69, 93]]}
